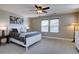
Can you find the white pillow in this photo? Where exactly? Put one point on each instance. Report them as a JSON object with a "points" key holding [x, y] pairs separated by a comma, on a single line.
{"points": [[23, 29]]}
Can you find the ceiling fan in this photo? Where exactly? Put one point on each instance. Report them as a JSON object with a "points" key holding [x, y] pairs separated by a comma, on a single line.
{"points": [[40, 9]]}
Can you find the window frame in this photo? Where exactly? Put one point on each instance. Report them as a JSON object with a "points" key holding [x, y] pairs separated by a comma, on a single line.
{"points": [[50, 25], [47, 26]]}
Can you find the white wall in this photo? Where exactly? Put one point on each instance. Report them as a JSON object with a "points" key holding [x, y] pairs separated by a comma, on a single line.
{"points": [[4, 19]]}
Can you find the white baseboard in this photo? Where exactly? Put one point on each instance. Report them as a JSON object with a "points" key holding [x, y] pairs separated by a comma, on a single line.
{"points": [[58, 38]]}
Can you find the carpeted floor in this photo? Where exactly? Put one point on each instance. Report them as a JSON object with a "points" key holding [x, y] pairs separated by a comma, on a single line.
{"points": [[11, 49], [45, 46], [53, 46]]}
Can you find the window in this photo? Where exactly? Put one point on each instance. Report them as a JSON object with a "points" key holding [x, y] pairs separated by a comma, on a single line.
{"points": [[44, 26], [50, 25], [54, 25]]}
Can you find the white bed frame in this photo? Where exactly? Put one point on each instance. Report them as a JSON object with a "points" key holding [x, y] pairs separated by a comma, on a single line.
{"points": [[33, 39], [29, 41]]}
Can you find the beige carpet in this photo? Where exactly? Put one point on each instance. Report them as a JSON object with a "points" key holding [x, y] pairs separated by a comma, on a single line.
{"points": [[11, 49], [53, 46], [45, 46]]}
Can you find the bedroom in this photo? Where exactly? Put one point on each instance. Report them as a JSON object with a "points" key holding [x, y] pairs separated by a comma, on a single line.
{"points": [[52, 41]]}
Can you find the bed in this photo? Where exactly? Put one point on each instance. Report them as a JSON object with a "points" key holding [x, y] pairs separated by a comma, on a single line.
{"points": [[24, 39]]}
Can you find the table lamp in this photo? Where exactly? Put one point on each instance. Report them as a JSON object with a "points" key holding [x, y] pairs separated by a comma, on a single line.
{"points": [[28, 28], [75, 25], [3, 30]]}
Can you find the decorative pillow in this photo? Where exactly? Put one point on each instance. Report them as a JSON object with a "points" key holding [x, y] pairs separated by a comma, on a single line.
{"points": [[23, 29], [14, 30]]}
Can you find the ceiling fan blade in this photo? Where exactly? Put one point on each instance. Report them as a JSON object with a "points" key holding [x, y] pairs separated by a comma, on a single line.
{"points": [[46, 8], [36, 6], [45, 11]]}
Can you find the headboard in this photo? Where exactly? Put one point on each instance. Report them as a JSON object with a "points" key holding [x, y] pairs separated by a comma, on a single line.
{"points": [[19, 27]]}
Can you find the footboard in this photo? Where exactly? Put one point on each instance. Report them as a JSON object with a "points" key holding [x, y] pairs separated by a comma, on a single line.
{"points": [[33, 39]]}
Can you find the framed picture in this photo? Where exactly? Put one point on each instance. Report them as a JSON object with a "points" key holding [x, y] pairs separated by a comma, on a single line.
{"points": [[16, 20]]}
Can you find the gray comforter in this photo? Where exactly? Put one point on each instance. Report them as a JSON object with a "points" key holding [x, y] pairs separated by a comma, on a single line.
{"points": [[23, 36]]}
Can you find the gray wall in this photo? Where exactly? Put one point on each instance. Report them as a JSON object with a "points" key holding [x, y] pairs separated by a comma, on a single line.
{"points": [[4, 18], [64, 25]]}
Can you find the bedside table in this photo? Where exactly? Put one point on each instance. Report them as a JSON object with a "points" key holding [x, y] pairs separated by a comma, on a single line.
{"points": [[7, 38]]}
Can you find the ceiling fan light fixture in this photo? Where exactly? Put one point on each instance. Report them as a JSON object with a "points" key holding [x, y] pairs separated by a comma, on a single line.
{"points": [[39, 11]]}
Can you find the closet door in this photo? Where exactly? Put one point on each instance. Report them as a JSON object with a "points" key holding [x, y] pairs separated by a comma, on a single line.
{"points": [[77, 39]]}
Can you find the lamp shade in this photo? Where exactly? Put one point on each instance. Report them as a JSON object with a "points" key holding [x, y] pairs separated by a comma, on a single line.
{"points": [[3, 28], [28, 27]]}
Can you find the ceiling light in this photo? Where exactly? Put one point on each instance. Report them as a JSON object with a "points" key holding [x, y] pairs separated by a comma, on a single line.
{"points": [[39, 11]]}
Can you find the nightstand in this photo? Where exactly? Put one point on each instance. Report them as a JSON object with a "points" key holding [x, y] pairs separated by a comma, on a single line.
{"points": [[4, 34]]}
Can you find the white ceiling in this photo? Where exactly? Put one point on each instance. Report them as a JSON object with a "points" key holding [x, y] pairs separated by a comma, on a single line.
{"points": [[27, 9]]}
